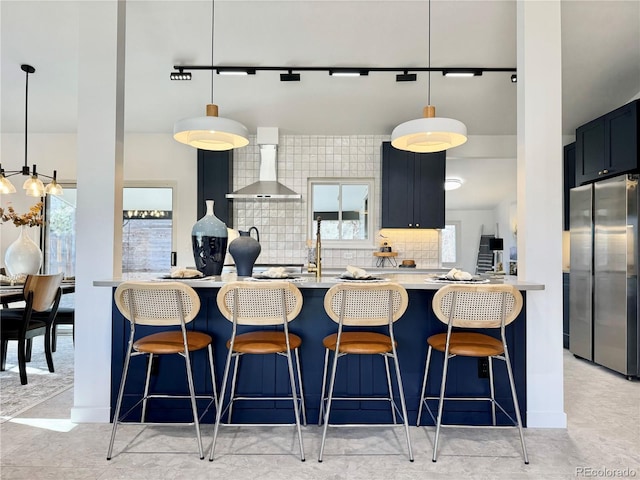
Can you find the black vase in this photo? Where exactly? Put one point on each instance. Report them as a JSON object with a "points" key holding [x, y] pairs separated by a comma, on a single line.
{"points": [[245, 250], [209, 240]]}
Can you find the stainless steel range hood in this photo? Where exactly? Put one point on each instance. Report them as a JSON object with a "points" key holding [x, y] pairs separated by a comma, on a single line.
{"points": [[268, 186]]}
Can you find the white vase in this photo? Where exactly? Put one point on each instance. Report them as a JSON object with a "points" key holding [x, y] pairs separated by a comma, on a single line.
{"points": [[23, 256]]}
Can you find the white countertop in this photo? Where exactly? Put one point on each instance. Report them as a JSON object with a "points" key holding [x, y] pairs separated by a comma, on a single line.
{"points": [[411, 281]]}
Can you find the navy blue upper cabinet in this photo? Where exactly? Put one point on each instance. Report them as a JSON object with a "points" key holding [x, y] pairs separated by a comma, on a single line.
{"points": [[412, 188], [608, 145], [215, 180]]}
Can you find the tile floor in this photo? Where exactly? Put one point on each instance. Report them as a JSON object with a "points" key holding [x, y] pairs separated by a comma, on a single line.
{"points": [[603, 435]]}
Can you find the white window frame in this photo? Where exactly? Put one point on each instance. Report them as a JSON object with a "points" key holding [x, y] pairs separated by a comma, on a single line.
{"points": [[367, 243]]}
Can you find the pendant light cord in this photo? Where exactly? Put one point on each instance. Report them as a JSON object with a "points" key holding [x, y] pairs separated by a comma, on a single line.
{"points": [[429, 76], [213, 10], [26, 115]]}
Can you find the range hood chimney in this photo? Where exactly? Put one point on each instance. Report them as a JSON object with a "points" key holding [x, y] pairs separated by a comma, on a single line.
{"points": [[268, 186]]}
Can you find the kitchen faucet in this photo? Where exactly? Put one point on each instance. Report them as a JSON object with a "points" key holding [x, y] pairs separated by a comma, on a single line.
{"points": [[316, 265]]}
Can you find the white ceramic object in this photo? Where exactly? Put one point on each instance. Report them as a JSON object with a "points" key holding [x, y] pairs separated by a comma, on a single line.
{"points": [[23, 256]]}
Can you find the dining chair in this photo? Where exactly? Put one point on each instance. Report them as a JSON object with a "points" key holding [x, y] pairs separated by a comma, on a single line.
{"points": [[22, 324], [261, 304], [363, 306], [65, 316], [162, 305], [464, 307]]}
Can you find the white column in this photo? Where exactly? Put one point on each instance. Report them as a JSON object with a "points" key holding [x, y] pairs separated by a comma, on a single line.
{"points": [[540, 204], [99, 209]]}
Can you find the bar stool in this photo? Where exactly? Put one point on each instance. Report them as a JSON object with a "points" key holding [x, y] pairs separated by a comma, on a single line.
{"points": [[162, 304], [248, 303], [465, 307], [363, 305]]}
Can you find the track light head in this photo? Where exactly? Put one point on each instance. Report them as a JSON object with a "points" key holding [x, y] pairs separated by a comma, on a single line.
{"points": [[180, 75], [406, 77], [289, 77]]}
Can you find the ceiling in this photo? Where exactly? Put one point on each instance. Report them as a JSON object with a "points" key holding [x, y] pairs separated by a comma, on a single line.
{"points": [[600, 52]]}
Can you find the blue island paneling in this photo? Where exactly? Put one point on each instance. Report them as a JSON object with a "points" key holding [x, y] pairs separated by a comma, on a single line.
{"points": [[358, 375]]}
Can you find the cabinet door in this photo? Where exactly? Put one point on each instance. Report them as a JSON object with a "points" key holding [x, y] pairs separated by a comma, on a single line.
{"points": [[622, 139], [428, 190], [397, 187], [590, 151], [215, 180]]}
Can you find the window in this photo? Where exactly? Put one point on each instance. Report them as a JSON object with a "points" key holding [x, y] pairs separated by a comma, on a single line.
{"points": [[344, 207], [60, 233], [450, 244], [147, 230]]}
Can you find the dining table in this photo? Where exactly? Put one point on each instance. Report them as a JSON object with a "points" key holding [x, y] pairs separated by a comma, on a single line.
{"points": [[13, 293]]}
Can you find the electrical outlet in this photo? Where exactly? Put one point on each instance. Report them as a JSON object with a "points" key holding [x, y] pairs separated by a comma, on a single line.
{"points": [[483, 367], [154, 365], [347, 255]]}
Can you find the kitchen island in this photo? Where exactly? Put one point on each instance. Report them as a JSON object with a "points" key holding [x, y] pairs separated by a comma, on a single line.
{"points": [[357, 375]]}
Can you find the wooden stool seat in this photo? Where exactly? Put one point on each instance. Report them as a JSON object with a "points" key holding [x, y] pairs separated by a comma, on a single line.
{"points": [[261, 342], [359, 342], [467, 344], [171, 342]]}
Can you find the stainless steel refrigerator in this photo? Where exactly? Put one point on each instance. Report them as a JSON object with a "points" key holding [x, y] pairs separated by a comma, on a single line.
{"points": [[603, 278]]}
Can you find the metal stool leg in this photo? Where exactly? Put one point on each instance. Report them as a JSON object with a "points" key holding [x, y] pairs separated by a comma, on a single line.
{"points": [[116, 415], [295, 402], [402, 403], [389, 389], [424, 386], [329, 398], [493, 391], [301, 391], [515, 401], [440, 405], [234, 378], [143, 418], [213, 376], [225, 378], [194, 406], [324, 386]]}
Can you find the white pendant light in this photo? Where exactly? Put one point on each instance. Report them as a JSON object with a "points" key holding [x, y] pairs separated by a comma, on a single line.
{"points": [[431, 133], [211, 132]]}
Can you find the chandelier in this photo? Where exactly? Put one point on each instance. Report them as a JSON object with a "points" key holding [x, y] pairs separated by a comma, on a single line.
{"points": [[33, 186]]}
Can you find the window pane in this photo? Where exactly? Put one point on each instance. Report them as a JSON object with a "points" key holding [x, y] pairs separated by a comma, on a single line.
{"points": [[354, 212], [147, 229], [448, 244], [326, 204], [60, 235]]}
